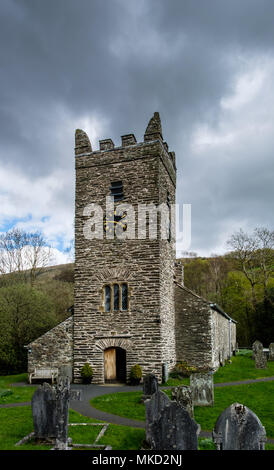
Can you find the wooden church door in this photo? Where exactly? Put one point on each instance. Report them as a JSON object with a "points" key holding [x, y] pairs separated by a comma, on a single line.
{"points": [[110, 364]]}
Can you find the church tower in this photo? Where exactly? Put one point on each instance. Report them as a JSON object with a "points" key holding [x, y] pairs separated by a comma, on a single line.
{"points": [[124, 310]]}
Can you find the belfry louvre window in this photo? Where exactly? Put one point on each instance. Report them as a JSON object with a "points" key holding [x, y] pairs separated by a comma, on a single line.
{"points": [[116, 297], [116, 190]]}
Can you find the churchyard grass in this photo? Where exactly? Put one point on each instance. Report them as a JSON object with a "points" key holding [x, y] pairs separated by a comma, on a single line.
{"points": [[12, 394], [16, 423], [242, 367], [258, 397]]}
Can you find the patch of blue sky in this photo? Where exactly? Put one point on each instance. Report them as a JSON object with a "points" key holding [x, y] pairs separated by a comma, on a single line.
{"points": [[8, 224]]}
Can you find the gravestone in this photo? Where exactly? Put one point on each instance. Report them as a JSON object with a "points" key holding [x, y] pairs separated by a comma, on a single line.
{"points": [[202, 388], [238, 428], [259, 355], [174, 429], [44, 414], [260, 360], [154, 406], [62, 390], [50, 405], [256, 346], [271, 352], [150, 386], [183, 396]]}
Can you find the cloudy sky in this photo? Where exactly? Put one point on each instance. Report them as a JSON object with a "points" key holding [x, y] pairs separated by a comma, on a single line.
{"points": [[206, 66]]}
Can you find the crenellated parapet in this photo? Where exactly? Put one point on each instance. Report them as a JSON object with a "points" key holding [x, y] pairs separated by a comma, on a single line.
{"points": [[153, 136]]}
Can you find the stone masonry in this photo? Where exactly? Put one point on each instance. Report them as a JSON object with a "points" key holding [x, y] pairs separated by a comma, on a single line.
{"points": [[53, 349], [146, 330], [204, 334]]}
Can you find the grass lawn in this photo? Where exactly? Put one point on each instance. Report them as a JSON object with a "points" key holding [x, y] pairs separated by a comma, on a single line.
{"points": [[13, 394], [15, 423], [258, 396], [242, 368]]}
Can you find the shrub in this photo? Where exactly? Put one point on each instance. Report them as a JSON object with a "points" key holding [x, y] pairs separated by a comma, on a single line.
{"points": [[182, 369], [87, 373], [135, 374]]}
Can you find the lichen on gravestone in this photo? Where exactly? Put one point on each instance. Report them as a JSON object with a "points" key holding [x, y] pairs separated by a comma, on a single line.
{"points": [[238, 428]]}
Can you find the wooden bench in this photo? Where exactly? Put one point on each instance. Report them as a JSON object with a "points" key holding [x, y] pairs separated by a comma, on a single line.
{"points": [[44, 373]]}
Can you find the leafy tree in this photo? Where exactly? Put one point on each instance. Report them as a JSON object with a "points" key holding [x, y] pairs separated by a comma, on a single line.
{"points": [[196, 275], [61, 295], [25, 314]]}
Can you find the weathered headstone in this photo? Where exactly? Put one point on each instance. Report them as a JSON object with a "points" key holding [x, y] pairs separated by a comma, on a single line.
{"points": [[183, 396], [238, 428], [62, 390], [259, 355], [153, 407], [50, 405], [256, 346], [44, 414], [174, 429], [150, 386], [260, 360], [271, 352], [202, 388]]}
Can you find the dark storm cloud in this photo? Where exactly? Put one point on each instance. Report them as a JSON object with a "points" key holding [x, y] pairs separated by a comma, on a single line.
{"points": [[120, 61]]}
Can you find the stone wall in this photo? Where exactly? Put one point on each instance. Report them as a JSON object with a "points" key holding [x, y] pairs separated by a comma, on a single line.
{"points": [[223, 338], [205, 337], [54, 348], [193, 329]]}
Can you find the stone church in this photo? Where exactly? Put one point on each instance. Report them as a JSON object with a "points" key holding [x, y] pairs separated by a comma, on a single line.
{"points": [[130, 304]]}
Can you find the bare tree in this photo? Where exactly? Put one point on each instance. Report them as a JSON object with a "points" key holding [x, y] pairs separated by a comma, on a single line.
{"points": [[265, 254], [255, 256], [23, 252], [244, 249], [218, 270]]}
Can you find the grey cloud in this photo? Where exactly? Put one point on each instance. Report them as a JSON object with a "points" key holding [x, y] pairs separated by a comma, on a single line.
{"points": [[122, 61]]}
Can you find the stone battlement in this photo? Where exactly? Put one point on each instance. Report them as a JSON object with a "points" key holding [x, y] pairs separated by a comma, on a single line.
{"points": [[153, 133]]}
